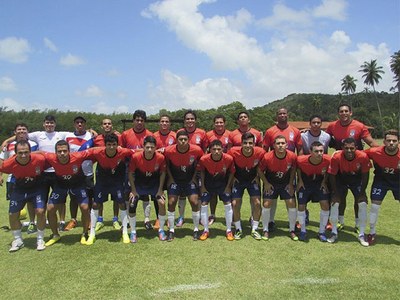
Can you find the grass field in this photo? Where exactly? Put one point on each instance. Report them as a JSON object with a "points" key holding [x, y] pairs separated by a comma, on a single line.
{"points": [[213, 269]]}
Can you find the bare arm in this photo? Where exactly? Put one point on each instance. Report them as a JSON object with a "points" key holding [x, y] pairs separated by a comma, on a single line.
{"points": [[370, 141]]}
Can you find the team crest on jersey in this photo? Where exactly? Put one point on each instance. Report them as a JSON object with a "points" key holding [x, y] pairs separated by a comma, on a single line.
{"points": [[256, 161], [170, 141], [291, 136], [323, 171], [352, 133], [156, 167], [358, 166], [226, 140], [75, 169], [191, 159], [224, 169], [37, 170], [119, 161], [197, 139]]}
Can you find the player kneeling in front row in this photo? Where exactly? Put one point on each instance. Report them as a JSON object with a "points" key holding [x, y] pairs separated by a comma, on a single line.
{"points": [[70, 180], [110, 174], [277, 170], [312, 185], [27, 169], [386, 161], [217, 172], [147, 171], [349, 170]]}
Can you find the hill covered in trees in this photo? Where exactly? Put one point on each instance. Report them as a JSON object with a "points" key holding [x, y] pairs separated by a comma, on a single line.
{"points": [[300, 107]]}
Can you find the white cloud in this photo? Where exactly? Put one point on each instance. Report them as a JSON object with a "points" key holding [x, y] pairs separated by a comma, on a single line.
{"points": [[14, 50], [7, 84], [91, 91], [71, 60], [284, 16], [50, 45], [107, 108], [332, 9], [11, 104]]}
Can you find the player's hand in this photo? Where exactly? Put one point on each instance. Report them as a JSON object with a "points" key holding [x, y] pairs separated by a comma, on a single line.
{"points": [[268, 188], [324, 188], [290, 189], [160, 198], [300, 185]]}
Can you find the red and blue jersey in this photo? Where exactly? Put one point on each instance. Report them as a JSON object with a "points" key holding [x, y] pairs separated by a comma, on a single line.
{"points": [[147, 171], [292, 135], [212, 135], [313, 174], [217, 172], [134, 140], [164, 140], [349, 171], [197, 137], [355, 130], [246, 167], [98, 141], [387, 167], [235, 137], [277, 170]]}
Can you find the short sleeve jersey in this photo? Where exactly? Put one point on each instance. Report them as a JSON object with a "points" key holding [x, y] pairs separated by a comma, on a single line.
{"points": [[355, 129], [183, 165], [246, 167], [47, 140], [164, 140], [212, 135], [387, 167], [147, 171], [134, 140], [313, 174], [198, 137], [27, 176], [277, 170], [349, 171], [217, 172], [307, 139], [235, 137], [98, 141], [80, 143], [292, 135]]}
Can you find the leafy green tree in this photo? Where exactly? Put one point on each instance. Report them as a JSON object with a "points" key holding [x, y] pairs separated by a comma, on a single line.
{"points": [[395, 67], [349, 85]]}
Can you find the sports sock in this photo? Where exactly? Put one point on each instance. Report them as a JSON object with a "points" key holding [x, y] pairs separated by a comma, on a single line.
{"points": [[162, 221], [40, 234], [228, 216], [94, 214], [146, 209], [255, 225], [132, 223], [115, 218], [196, 219], [265, 214], [17, 234], [373, 217], [357, 222], [334, 216], [323, 220], [341, 219], [99, 218], [171, 220], [124, 218], [181, 206], [238, 225], [273, 210], [362, 215], [301, 216], [204, 216], [292, 213]]}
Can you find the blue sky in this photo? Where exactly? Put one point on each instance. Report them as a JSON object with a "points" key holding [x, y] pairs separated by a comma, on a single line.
{"points": [[122, 55]]}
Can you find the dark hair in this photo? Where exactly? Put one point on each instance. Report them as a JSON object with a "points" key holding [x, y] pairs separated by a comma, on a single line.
{"points": [[248, 135], [219, 116], [315, 144], [189, 111], [215, 143], [315, 116], [391, 132], [22, 143], [165, 116], [344, 104], [20, 125], [61, 143], [349, 140], [149, 139], [110, 138], [279, 137], [182, 132], [139, 113], [49, 118], [79, 118], [242, 112]]}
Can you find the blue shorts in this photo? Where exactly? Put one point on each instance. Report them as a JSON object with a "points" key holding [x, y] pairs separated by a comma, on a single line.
{"points": [[145, 192], [59, 195], [313, 194], [252, 188], [183, 190], [278, 191], [380, 188], [101, 193], [19, 197], [225, 197]]}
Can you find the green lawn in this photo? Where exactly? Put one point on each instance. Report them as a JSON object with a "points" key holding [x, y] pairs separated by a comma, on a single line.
{"points": [[213, 269]]}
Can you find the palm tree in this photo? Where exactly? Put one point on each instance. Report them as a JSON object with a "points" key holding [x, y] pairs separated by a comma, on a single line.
{"points": [[316, 103], [372, 74], [349, 85], [395, 67]]}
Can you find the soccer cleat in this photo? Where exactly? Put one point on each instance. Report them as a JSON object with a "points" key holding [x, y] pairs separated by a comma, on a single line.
{"points": [[148, 225], [271, 226], [204, 236], [255, 235], [133, 238], [356, 230], [265, 236], [90, 241], [195, 235], [362, 241], [303, 236], [293, 236], [371, 238], [156, 224], [31, 228], [328, 226], [340, 226], [99, 226], [53, 239], [16, 245], [116, 225], [229, 236], [297, 227], [332, 239], [61, 226], [238, 234], [71, 225], [40, 245], [211, 220], [322, 237], [170, 236], [125, 238], [161, 235], [179, 222]]}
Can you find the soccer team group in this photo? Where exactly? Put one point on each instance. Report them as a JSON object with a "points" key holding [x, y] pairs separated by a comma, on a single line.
{"points": [[47, 166]]}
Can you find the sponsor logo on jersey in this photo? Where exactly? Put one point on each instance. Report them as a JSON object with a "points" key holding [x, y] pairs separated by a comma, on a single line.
{"points": [[226, 140]]}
